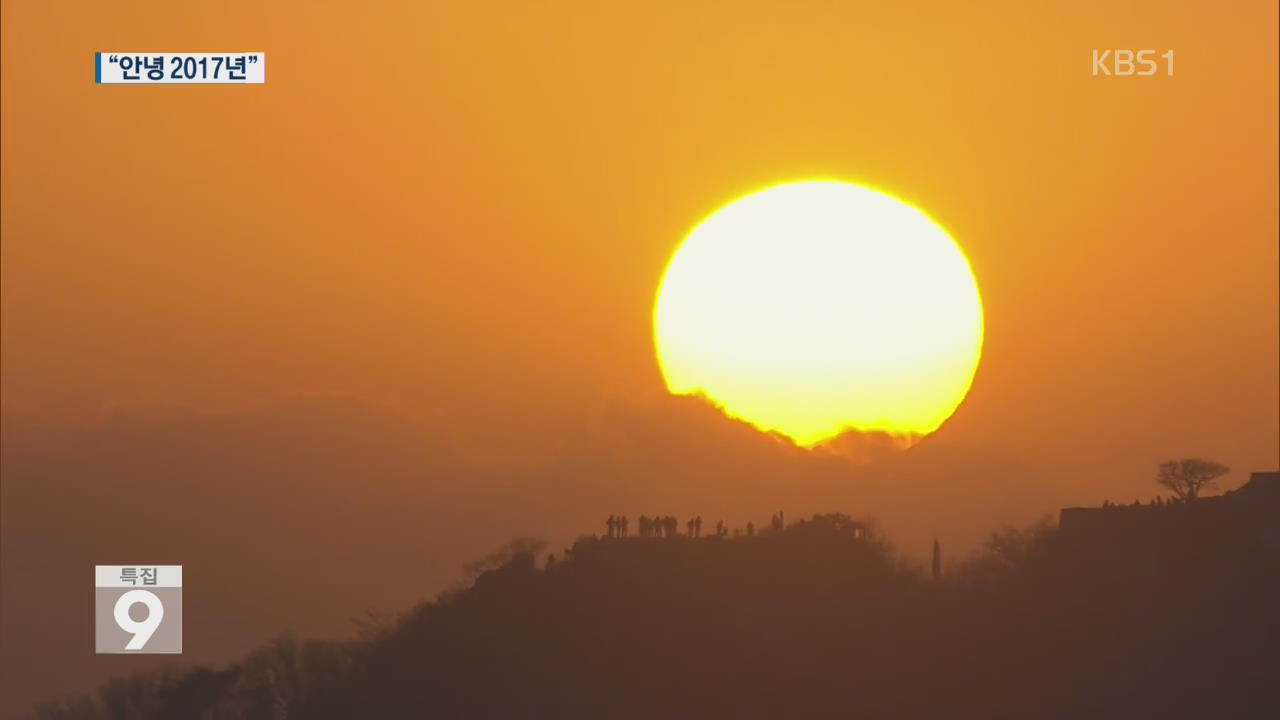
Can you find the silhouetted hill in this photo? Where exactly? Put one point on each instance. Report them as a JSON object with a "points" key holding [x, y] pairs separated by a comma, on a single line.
{"points": [[275, 496], [816, 620], [268, 498]]}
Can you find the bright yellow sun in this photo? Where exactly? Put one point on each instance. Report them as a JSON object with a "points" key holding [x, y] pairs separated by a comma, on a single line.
{"points": [[817, 307]]}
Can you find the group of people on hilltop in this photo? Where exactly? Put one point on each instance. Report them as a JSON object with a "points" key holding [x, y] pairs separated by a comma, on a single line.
{"points": [[1158, 501], [777, 522], [618, 526], [665, 526]]}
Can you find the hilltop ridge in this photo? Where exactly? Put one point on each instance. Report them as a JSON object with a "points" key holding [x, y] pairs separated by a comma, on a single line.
{"points": [[817, 617]]}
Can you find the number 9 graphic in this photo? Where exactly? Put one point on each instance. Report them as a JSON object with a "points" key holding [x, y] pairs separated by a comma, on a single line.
{"points": [[143, 630]]}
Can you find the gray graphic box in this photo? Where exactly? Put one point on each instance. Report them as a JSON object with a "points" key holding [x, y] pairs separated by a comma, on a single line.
{"points": [[111, 638]]}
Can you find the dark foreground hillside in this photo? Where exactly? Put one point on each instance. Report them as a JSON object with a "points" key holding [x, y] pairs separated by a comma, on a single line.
{"points": [[817, 620]]}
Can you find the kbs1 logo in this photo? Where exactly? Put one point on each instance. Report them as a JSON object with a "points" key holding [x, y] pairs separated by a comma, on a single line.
{"points": [[1137, 63], [137, 608]]}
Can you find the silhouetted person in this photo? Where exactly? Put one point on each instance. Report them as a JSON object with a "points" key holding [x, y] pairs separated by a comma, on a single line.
{"points": [[719, 528], [612, 524], [697, 526], [937, 559], [751, 529], [626, 526]]}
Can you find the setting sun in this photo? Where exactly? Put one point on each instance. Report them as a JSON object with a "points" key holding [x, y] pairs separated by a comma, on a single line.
{"points": [[818, 307]]}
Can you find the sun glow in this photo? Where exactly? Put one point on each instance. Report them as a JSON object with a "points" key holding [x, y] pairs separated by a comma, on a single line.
{"points": [[817, 307]]}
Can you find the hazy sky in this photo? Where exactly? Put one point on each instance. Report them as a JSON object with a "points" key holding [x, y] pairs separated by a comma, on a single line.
{"points": [[460, 211], [463, 209]]}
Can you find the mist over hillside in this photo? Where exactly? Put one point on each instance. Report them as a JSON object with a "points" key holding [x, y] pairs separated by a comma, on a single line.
{"points": [[327, 508], [817, 619]]}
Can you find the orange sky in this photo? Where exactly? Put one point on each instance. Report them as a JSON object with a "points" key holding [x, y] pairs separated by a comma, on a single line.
{"points": [[460, 211], [463, 210]]}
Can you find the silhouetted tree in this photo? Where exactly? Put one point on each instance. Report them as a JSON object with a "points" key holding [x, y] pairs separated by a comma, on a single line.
{"points": [[1006, 550], [518, 547], [77, 707], [1187, 477]]}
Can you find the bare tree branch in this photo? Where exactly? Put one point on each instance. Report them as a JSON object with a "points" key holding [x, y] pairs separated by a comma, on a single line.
{"points": [[1187, 477]]}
